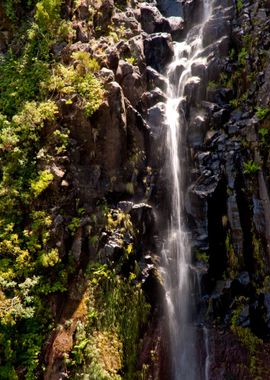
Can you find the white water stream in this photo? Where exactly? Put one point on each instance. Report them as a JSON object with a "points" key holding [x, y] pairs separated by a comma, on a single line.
{"points": [[177, 253]]}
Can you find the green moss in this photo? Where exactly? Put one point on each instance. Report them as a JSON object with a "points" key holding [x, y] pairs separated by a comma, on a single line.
{"points": [[262, 112], [30, 266], [201, 256], [239, 5], [242, 56], [248, 340], [212, 85], [103, 350], [117, 309], [41, 182], [251, 342]]}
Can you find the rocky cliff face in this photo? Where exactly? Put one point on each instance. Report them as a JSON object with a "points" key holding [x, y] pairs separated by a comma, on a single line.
{"points": [[228, 202], [80, 288]]}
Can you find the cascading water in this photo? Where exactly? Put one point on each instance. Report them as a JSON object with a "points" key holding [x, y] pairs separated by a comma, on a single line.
{"points": [[177, 253]]}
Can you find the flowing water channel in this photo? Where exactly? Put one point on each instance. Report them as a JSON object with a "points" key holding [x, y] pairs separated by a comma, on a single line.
{"points": [[177, 252]]}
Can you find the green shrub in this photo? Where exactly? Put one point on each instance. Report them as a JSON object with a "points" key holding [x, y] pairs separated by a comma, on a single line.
{"points": [[251, 167], [19, 81], [201, 256], [41, 182], [68, 81], [131, 60], [234, 103], [48, 14], [239, 5], [212, 85], [242, 57], [262, 112]]}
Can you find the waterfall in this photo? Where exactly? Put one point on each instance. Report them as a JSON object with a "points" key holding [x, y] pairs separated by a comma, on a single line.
{"points": [[177, 251]]}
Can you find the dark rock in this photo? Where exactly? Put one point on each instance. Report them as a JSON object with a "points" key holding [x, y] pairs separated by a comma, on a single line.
{"points": [[235, 224], [215, 29], [244, 279], [82, 32], [210, 107], [102, 17], [198, 70], [219, 118], [76, 247], [155, 79], [83, 10], [258, 215], [206, 184], [138, 133], [221, 96], [110, 123], [192, 11], [150, 98], [153, 22], [3, 42], [156, 119], [158, 50], [111, 249], [196, 131], [143, 218], [197, 209], [133, 84], [125, 206], [244, 317], [128, 21], [136, 49], [56, 48], [267, 307], [175, 72], [151, 19], [195, 91], [107, 75], [170, 8], [113, 59], [236, 115], [264, 91]]}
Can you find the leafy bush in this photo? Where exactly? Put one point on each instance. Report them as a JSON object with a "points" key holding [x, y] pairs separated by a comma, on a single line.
{"points": [[79, 80], [242, 56], [30, 265], [239, 5], [41, 182], [48, 14], [251, 167], [20, 78], [262, 112]]}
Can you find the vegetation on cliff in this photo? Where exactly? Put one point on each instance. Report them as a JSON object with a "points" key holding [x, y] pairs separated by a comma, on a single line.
{"points": [[37, 273]]}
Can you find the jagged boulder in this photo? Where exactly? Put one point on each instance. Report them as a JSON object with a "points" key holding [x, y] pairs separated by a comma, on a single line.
{"points": [[153, 22], [158, 50], [133, 84], [155, 79], [103, 16]]}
